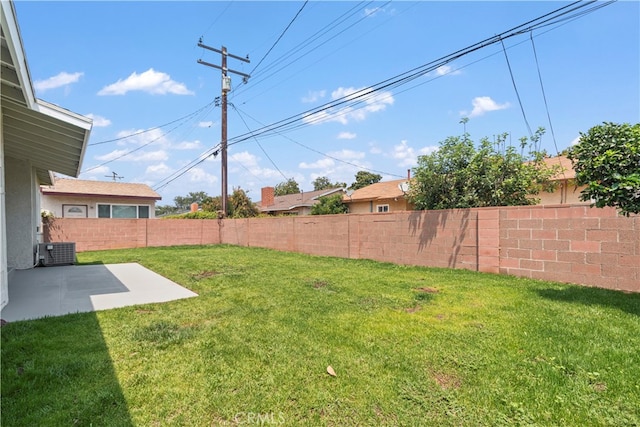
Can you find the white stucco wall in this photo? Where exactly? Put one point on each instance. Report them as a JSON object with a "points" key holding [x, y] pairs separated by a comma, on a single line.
{"points": [[20, 213], [54, 204]]}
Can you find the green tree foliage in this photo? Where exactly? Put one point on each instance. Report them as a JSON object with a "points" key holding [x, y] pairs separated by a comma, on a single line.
{"points": [[289, 186], [212, 204], [241, 205], [607, 161], [364, 178], [163, 210], [329, 205], [459, 175], [323, 183], [184, 203]]}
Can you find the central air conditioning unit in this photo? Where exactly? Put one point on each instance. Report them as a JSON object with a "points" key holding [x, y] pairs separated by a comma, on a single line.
{"points": [[57, 253]]}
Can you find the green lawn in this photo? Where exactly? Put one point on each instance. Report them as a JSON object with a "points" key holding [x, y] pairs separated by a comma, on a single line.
{"points": [[410, 346]]}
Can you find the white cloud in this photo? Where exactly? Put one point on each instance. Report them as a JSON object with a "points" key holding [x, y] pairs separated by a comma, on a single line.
{"points": [[142, 137], [138, 156], [205, 124], [428, 150], [373, 102], [199, 175], [405, 154], [160, 169], [483, 104], [62, 79], [99, 121], [373, 11], [346, 135], [101, 170], [314, 96], [374, 149], [150, 81], [575, 141], [446, 69], [320, 164], [347, 154], [245, 158], [188, 145]]}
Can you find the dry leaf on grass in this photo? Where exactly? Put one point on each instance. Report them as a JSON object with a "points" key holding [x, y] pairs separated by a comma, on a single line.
{"points": [[330, 371]]}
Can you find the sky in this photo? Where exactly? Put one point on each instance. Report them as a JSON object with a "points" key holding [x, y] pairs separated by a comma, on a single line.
{"points": [[328, 74]]}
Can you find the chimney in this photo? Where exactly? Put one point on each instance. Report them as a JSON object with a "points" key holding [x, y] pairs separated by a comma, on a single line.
{"points": [[268, 195], [409, 175], [194, 207]]}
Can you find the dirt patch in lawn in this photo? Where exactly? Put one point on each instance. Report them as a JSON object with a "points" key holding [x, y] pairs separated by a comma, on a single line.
{"points": [[317, 284], [428, 290], [205, 274], [446, 381]]}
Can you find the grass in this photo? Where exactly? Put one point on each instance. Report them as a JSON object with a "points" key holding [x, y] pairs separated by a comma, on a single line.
{"points": [[410, 346]]}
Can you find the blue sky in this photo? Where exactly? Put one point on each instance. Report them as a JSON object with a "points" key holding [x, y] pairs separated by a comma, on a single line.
{"points": [[132, 66]]}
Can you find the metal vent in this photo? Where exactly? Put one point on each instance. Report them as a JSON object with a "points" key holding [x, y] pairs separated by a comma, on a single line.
{"points": [[58, 253]]}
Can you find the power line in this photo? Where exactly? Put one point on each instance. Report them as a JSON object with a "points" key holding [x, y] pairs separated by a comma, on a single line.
{"points": [[325, 154], [544, 95], [279, 38], [153, 128], [516, 89], [138, 148], [260, 145], [289, 123]]}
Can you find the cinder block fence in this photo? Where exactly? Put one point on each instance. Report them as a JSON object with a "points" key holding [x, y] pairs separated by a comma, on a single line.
{"points": [[574, 244]]}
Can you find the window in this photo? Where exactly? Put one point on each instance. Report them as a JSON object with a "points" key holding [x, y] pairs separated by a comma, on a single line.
{"points": [[382, 208], [123, 211]]}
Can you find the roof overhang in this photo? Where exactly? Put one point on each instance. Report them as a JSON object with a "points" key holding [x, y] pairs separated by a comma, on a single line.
{"points": [[49, 137]]}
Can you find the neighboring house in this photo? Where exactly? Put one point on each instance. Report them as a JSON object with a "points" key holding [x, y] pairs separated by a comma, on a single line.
{"points": [[567, 192], [76, 198], [379, 198], [292, 204], [36, 137]]}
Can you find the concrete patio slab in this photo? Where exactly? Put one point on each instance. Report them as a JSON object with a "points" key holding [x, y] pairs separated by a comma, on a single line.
{"points": [[54, 291]]}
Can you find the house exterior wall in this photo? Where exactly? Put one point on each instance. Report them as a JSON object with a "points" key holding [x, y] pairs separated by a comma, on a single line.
{"points": [[371, 206], [565, 243], [566, 193], [22, 213], [4, 274], [55, 203]]}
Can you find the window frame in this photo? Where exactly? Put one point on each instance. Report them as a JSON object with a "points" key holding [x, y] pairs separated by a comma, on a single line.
{"points": [[111, 205], [385, 208]]}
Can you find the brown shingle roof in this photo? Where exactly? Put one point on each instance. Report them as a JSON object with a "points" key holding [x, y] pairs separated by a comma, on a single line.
{"points": [[79, 187], [292, 201], [377, 191]]}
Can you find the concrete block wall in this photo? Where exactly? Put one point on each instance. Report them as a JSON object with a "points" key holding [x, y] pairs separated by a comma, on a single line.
{"points": [[573, 244]]}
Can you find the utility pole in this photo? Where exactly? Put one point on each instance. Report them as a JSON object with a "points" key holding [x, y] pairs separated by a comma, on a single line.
{"points": [[226, 87]]}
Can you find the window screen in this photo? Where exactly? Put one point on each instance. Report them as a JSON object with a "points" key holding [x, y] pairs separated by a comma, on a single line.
{"points": [[143, 211], [104, 211], [121, 211]]}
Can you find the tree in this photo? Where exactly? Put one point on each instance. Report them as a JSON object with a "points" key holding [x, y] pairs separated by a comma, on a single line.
{"points": [[289, 186], [328, 205], [323, 183], [459, 175], [241, 205], [607, 161], [184, 203], [162, 210], [364, 178]]}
